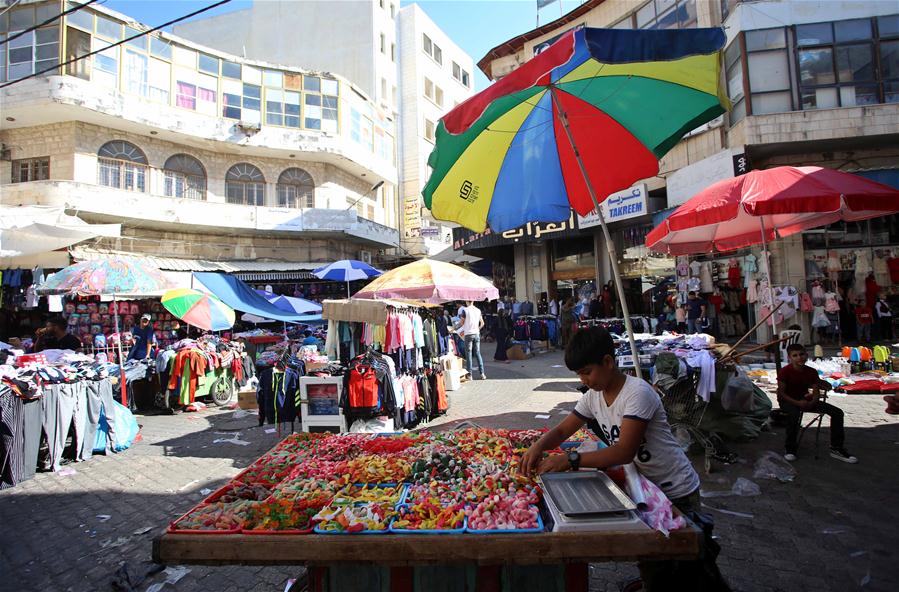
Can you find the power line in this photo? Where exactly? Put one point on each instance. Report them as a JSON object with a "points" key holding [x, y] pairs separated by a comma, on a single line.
{"points": [[117, 43], [47, 22]]}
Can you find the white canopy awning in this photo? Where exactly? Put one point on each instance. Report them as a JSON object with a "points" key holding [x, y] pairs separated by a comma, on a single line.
{"points": [[27, 230]]}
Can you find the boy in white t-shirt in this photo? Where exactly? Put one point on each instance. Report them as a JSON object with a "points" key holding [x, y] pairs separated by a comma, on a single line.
{"points": [[626, 413]]}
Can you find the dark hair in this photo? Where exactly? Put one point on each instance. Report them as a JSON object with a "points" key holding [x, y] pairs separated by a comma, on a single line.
{"points": [[307, 333], [58, 322], [795, 347], [588, 346], [692, 293]]}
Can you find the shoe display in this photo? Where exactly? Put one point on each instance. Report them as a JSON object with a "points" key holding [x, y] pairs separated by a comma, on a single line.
{"points": [[789, 457], [843, 455]]}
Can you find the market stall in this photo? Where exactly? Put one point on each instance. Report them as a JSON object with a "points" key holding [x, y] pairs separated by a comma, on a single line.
{"points": [[46, 396], [408, 343], [426, 499]]}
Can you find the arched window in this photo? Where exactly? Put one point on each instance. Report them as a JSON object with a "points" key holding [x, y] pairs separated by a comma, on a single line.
{"points": [[245, 185], [185, 177], [296, 189], [122, 165]]}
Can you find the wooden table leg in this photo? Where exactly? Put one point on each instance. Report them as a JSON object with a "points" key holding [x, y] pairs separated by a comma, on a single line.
{"points": [[401, 579], [576, 577]]}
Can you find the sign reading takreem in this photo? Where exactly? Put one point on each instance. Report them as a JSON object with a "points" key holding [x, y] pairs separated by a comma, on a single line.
{"points": [[623, 205]]}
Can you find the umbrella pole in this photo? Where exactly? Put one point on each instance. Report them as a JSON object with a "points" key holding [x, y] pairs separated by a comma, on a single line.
{"points": [[348, 288], [610, 245], [121, 363], [770, 288]]}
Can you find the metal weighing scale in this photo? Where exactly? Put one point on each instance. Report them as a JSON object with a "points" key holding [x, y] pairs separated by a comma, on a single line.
{"points": [[588, 500]]}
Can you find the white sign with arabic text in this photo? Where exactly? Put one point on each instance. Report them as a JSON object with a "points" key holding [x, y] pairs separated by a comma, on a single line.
{"points": [[623, 205]]}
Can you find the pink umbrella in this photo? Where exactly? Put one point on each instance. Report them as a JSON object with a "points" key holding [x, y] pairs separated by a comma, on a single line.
{"points": [[762, 205], [430, 281]]}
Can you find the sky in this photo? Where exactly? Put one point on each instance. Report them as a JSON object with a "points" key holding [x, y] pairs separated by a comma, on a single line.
{"points": [[477, 26]]}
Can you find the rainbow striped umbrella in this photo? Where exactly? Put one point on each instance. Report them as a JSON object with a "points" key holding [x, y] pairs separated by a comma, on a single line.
{"points": [[199, 309], [506, 156]]}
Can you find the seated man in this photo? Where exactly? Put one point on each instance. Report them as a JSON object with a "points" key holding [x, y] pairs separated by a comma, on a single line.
{"points": [[55, 335], [799, 390], [310, 339]]}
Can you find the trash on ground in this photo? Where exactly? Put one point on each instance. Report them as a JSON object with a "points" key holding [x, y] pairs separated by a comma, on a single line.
{"points": [[742, 487], [241, 413], [270, 430], [234, 440], [143, 530], [103, 517], [773, 466], [541, 416], [833, 530], [728, 512], [205, 491], [110, 544], [66, 472], [189, 484], [173, 576]]}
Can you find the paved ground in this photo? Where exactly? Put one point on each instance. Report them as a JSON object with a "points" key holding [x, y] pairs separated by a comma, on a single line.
{"points": [[832, 529]]}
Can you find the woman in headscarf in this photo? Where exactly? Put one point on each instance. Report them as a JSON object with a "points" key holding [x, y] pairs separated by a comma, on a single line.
{"points": [[503, 329]]}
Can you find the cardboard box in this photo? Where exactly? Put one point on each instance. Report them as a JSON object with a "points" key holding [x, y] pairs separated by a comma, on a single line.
{"points": [[246, 399], [313, 366], [452, 363], [516, 352], [452, 379]]}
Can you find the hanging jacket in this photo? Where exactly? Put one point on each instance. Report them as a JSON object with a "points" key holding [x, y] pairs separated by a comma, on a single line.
{"points": [[276, 395]]}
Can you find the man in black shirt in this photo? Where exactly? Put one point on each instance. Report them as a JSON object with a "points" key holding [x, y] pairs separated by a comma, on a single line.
{"points": [[55, 336], [695, 313]]}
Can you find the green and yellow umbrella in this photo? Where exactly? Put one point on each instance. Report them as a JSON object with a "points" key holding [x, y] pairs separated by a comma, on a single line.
{"points": [[199, 309]]}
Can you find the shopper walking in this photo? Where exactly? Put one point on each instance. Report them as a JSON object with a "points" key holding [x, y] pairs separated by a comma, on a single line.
{"points": [[863, 319], [696, 310], [471, 333], [567, 320], [884, 317], [503, 330]]}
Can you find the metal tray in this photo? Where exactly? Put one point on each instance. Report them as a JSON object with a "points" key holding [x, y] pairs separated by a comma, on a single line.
{"points": [[583, 493]]}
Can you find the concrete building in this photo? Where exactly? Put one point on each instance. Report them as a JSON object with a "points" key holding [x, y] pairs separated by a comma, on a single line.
{"points": [[353, 38], [435, 76], [205, 157], [399, 56], [811, 82]]}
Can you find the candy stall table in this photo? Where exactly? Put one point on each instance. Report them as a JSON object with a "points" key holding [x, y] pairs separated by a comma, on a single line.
{"points": [[313, 499]]}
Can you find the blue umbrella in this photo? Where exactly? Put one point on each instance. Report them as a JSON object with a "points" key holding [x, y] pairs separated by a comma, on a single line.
{"points": [[346, 270], [291, 304]]}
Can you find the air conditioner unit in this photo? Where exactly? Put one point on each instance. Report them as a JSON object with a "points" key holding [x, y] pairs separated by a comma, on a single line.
{"points": [[249, 128], [365, 257]]}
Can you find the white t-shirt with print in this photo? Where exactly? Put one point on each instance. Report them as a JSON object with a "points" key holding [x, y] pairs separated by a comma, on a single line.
{"points": [[659, 457]]}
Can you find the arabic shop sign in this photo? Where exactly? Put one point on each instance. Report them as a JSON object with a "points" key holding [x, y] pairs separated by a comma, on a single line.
{"points": [[629, 203], [464, 238]]}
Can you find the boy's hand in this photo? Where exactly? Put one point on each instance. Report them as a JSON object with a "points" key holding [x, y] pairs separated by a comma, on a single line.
{"points": [[531, 459], [554, 463]]}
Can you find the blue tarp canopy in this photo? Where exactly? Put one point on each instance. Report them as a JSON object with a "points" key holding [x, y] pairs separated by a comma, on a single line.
{"points": [[242, 297]]}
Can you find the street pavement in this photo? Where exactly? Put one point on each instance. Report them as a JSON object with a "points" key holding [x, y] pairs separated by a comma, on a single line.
{"points": [[834, 528]]}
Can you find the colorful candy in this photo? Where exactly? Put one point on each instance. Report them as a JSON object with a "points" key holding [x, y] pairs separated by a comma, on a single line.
{"points": [[514, 511], [353, 519], [430, 515]]}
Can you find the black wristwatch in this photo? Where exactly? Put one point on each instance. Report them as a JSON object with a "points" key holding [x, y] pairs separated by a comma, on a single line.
{"points": [[574, 460]]}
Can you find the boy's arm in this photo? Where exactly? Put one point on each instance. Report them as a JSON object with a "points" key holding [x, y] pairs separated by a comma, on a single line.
{"points": [[620, 453], [550, 440]]}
